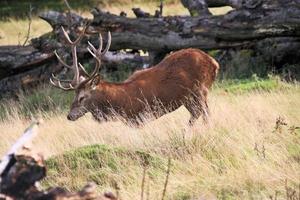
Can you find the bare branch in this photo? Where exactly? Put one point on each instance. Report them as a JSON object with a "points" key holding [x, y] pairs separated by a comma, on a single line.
{"points": [[68, 5], [29, 24], [26, 138], [143, 182]]}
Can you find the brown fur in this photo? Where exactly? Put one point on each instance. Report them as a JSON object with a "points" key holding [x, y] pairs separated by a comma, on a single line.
{"points": [[182, 78]]}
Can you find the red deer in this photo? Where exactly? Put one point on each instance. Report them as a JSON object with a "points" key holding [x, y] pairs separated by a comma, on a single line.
{"points": [[181, 78]]}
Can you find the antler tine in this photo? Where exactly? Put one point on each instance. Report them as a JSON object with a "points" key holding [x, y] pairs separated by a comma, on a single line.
{"points": [[92, 47], [98, 63], [59, 85], [84, 71], [61, 61], [66, 35], [100, 43], [77, 40], [57, 79], [81, 35], [76, 78], [99, 52], [91, 52], [75, 66], [108, 43]]}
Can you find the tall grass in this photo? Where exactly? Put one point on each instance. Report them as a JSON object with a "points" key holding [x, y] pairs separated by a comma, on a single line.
{"points": [[246, 151]]}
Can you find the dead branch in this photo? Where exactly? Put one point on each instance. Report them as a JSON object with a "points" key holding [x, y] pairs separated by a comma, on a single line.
{"points": [[21, 171], [29, 24]]}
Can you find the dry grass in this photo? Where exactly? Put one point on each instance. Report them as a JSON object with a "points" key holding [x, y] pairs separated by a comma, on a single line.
{"points": [[13, 32], [239, 155]]}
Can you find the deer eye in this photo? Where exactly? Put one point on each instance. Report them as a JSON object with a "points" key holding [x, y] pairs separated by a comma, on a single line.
{"points": [[80, 99]]}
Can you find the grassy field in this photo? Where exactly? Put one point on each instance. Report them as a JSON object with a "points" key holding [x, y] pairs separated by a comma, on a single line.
{"points": [[249, 150], [14, 31]]}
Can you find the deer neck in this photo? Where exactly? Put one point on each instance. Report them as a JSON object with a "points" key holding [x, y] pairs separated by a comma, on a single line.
{"points": [[115, 95]]}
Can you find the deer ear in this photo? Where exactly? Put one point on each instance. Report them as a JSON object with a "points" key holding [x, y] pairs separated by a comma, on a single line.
{"points": [[95, 81]]}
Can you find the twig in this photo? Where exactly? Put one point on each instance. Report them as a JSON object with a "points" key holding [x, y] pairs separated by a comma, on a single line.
{"points": [[69, 13], [148, 189], [167, 179], [29, 24], [68, 5], [143, 182], [161, 6]]}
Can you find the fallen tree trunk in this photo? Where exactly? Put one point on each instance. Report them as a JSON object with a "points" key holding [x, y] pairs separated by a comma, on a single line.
{"points": [[239, 29], [271, 29], [236, 29], [24, 67]]}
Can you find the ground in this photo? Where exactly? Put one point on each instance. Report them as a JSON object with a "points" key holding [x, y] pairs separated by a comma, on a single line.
{"points": [[249, 150]]}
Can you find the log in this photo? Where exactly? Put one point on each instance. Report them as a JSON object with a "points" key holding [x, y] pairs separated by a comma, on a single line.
{"points": [[24, 168], [23, 68], [237, 4], [271, 28], [236, 29], [196, 7]]}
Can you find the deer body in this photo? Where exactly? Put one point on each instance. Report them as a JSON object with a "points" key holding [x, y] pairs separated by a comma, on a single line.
{"points": [[182, 78]]}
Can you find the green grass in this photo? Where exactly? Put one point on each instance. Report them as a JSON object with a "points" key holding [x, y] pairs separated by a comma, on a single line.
{"points": [[52, 100], [103, 165], [110, 167], [217, 161], [45, 99], [252, 84]]}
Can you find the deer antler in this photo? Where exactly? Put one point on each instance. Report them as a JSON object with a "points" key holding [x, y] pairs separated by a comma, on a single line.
{"points": [[78, 79], [97, 54]]}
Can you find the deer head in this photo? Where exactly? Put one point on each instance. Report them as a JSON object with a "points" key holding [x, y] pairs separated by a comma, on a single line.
{"points": [[82, 83]]}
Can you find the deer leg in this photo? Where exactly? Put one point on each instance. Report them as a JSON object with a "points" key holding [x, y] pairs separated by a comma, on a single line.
{"points": [[197, 105], [203, 104], [194, 111]]}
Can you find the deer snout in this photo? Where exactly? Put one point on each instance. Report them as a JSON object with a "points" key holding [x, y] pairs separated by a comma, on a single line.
{"points": [[71, 117], [76, 113]]}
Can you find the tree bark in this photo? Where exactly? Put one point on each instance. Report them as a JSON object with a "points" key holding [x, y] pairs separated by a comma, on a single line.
{"points": [[196, 7], [26, 67], [23, 67], [236, 29], [271, 28]]}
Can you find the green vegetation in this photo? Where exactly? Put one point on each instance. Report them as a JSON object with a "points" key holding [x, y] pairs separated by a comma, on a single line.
{"points": [[243, 64], [38, 102], [252, 84], [102, 164], [248, 150], [51, 100]]}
